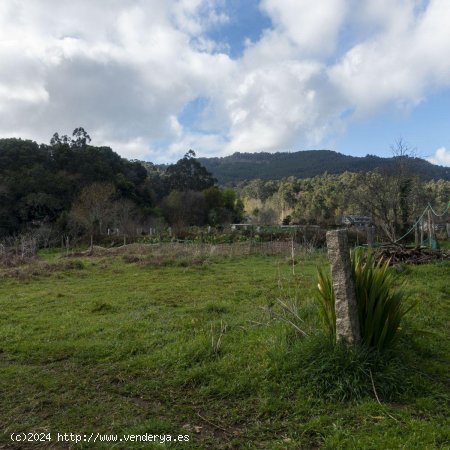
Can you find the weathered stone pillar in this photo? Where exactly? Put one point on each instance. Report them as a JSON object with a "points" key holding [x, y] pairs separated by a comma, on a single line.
{"points": [[347, 320]]}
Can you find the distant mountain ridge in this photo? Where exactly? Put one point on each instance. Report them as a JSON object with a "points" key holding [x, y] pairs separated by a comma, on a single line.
{"points": [[306, 164]]}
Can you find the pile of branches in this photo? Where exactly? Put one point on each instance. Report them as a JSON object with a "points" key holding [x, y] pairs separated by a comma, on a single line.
{"points": [[410, 255]]}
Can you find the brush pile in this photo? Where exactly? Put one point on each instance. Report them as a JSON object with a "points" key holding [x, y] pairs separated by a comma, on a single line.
{"points": [[410, 255]]}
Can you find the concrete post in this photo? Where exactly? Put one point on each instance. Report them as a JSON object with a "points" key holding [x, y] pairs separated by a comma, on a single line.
{"points": [[347, 319]]}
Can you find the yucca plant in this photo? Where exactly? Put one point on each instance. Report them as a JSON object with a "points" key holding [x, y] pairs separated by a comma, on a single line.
{"points": [[380, 306]]}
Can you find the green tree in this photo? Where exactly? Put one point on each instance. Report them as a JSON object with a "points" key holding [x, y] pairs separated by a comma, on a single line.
{"points": [[188, 175], [79, 139], [185, 208]]}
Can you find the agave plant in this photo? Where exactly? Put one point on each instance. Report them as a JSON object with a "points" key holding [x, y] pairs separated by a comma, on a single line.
{"points": [[380, 305]]}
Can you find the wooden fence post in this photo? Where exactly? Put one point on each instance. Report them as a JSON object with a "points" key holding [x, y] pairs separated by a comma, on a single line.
{"points": [[346, 308]]}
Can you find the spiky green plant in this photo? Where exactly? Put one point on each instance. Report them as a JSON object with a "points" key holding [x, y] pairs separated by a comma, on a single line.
{"points": [[326, 302], [380, 305]]}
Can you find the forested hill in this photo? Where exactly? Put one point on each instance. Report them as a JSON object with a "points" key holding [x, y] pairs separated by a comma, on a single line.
{"points": [[71, 188], [305, 164]]}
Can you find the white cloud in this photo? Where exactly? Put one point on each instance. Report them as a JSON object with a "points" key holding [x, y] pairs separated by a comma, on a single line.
{"points": [[290, 93], [441, 157], [204, 144], [312, 25], [402, 62], [135, 148], [125, 70], [274, 104]]}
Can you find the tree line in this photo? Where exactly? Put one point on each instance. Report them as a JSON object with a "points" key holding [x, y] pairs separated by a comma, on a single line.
{"points": [[393, 200], [72, 187], [69, 187]]}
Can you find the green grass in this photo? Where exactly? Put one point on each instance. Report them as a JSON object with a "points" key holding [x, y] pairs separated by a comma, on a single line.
{"points": [[111, 346]]}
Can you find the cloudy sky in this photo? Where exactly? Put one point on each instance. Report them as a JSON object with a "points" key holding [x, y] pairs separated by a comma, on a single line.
{"points": [[154, 78]]}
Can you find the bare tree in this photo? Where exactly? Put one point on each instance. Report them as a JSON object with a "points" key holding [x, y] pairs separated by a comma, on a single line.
{"points": [[124, 212], [93, 207]]}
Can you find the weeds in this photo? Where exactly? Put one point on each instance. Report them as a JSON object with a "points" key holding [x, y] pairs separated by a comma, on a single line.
{"points": [[289, 313], [216, 337]]}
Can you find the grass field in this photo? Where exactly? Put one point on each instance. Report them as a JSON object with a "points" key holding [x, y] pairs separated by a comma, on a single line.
{"points": [[117, 345]]}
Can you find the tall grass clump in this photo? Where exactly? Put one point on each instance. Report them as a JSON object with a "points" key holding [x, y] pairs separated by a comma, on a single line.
{"points": [[381, 304], [337, 372]]}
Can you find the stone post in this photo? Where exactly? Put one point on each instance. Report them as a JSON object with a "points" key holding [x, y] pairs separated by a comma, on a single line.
{"points": [[347, 319]]}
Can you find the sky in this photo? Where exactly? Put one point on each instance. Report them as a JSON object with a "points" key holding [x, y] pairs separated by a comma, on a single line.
{"points": [[155, 78]]}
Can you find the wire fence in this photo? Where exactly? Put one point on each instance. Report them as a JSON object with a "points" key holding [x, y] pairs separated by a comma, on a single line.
{"points": [[181, 249], [427, 209]]}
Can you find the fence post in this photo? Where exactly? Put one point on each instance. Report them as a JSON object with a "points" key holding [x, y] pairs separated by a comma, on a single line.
{"points": [[293, 255], [421, 232], [430, 232], [346, 308]]}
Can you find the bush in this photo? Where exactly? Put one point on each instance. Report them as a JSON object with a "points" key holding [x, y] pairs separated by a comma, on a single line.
{"points": [[380, 306]]}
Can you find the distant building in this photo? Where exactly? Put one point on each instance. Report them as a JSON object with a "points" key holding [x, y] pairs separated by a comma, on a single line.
{"points": [[356, 221]]}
